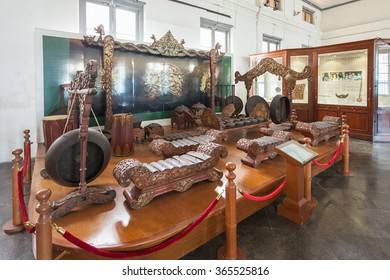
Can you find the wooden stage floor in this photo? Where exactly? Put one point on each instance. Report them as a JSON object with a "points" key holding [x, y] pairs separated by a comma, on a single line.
{"points": [[117, 227]]}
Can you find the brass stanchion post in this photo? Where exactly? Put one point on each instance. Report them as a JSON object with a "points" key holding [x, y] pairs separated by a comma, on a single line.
{"points": [[230, 251], [43, 226], [345, 152], [15, 225], [27, 172], [307, 175]]}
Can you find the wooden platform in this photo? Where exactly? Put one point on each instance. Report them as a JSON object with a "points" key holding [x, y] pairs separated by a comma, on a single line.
{"points": [[115, 226]]}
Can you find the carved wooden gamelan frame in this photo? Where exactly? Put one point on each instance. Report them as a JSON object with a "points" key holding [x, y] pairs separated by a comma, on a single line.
{"points": [[270, 65], [165, 46]]}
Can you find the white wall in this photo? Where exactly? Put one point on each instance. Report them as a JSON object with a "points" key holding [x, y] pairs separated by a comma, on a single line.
{"points": [[18, 22], [365, 19], [23, 22]]}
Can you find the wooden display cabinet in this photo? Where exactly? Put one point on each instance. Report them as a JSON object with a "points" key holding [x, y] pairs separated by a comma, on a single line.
{"points": [[302, 97], [346, 81], [343, 85]]}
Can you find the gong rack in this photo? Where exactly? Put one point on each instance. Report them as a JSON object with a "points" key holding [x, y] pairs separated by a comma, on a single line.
{"points": [[66, 159]]}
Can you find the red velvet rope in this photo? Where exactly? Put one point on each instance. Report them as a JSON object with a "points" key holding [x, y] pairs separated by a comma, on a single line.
{"points": [[332, 159], [264, 197], [22, 205], [110, 254], [26, 158]]}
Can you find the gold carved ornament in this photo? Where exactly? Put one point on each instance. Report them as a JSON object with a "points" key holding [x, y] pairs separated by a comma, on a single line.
{"points": [[108, 56], [270, 65]]}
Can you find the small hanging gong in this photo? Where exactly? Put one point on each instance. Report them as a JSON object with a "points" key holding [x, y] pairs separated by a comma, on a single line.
{"points": [[280, 109], [62, 161]]}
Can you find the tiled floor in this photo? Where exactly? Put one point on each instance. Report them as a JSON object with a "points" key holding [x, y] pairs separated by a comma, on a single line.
{"points": [[351, 221]]}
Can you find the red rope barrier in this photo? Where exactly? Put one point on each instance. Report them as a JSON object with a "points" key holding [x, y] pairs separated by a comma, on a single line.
{"points": [[264, 197], [332, 159], [110, 254], [27, 224], [26, 158]]}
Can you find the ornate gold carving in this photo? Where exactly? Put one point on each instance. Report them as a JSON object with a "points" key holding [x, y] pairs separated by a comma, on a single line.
{"points": [[298, 91], [108, 56], [158, 82], [166, 46], [259, 111], [270, 65], [215, 55], [85, 79]]}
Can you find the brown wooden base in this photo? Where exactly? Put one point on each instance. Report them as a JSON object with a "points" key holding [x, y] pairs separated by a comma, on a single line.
{"points": [[77, 198], [221, 254], [313, 202], [299, 214], [10, 228], [347, 174]]}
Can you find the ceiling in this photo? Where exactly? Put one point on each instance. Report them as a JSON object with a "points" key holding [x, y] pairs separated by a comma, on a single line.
{"points": [[328, 4]]}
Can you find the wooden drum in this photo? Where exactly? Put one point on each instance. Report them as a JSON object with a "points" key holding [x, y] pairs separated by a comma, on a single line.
{"points": [[122, 136], [53, 127]]}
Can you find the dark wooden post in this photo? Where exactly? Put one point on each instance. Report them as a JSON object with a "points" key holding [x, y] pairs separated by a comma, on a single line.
{"points": [[43, 226], [15, 224], [27, 155], [293, 118], [230, 251]]}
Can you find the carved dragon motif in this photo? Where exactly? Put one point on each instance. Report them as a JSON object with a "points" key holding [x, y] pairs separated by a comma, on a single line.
{"points": [[270, 65]]}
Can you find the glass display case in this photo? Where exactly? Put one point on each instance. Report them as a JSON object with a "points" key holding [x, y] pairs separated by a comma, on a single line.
{"points": [[342, 78], [349, 79], [300, 93]]}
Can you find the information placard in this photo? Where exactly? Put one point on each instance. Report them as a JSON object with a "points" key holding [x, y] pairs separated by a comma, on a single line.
{"points": [[296, 153]]}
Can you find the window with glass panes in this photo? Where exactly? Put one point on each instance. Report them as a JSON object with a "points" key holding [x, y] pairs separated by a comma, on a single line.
{"points": [[383, 74], [307, 15], [270, 43], [123, 19], [212, 32]]}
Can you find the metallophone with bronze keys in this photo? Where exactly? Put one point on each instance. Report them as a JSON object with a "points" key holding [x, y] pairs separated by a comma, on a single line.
{"points": [[262, 148], [320, 130], [181, 143], [177, 173]]}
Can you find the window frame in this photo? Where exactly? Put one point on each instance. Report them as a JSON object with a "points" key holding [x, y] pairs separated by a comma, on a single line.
{"points": [[307, 12], [129, 5], [217, 26], [271, 40], [383, 84]]}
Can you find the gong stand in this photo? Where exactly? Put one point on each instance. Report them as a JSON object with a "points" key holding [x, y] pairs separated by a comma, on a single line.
{"points": [[83, 195], [268, 64]]}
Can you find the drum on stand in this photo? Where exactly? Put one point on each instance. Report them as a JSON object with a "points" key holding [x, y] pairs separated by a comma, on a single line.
{"points": [[53, 128], [122, 136]]}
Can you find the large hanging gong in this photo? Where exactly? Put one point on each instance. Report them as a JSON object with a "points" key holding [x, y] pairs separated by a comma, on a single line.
{"points": [[280, 109], [253, 101], [62, 161], [238, 104]]}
